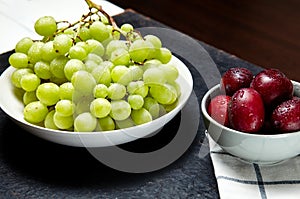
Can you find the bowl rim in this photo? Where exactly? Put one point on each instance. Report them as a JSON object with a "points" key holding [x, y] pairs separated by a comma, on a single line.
{"points": [[254, 135]]}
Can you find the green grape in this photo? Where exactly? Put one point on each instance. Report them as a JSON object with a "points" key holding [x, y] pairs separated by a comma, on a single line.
{"points": [[136, 72], [94, 46], [116, 91], [17, 76], [152, 106], [35, 53], [83, 82], [48, 93], [42, 70], [164, 94], [66, 91], [48, 52], [94, 57], [82, 104], [135, 101], [29, 97], [99, 31], [102, 75], [122, 124], [77, 52], [57, 80], [120, 109], [107, 64], [139, 50], [62, 43], [100, 107], [70, 32], [65, 107], [154, 40], [57, 66], [114, 45], [85, 122], [35, 112], [45, 26], [72, 66], [49, 121], [120, 57], [152, 63], [170, 107], [121, 74], [23, 45], [105, 124], [63, 122], [18, 60], [138, 87], [170, 72], [153, 76], [126, 27], [90, 66], [84, 33], [100, 91], [30, 82], [141, 116], [83, 44], [164, 55]]}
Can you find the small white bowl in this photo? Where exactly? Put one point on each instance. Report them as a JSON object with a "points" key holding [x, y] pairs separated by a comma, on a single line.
{"points": [[13, 107], [254, 148]]}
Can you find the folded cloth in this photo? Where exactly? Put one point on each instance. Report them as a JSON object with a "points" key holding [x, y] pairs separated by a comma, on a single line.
{"points": [[242, 180]]}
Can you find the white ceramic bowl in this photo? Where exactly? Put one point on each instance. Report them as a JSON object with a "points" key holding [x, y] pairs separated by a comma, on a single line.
{"points": [[254, 148], [13, 107]]}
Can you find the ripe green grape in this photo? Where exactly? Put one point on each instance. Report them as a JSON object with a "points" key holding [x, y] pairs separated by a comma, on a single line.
{"points": [[120, 56], [100, 107], [42, 70], [85, 122], [164, 94], [48, 52], [136, 72], [30, 82], [105, 124], [62, 43], [18, 60], [77, 52], [139, 50], [99, 31], [154, 76], [48, 93], [120, 109], [96, 47], [116, 91], [164, 55], [170, 72], [45, 26], [84, 33], [57, 66], [49, 121], [154, 40], [23, 45], [120, 74], [63, 122], [122, 124], [141, 116], [65, 107], [126, 27], [138, 87], [72, 66], [152, 106], [102, 75], [17, 76], [83, 82], [66, 91], [94, 57], [100, 91], [35, 112], [35, 53], [114, 45], [29, 97], [135, 101]]}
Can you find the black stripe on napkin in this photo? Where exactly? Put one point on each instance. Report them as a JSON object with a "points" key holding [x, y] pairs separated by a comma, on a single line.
{"points": [[260, 182]]}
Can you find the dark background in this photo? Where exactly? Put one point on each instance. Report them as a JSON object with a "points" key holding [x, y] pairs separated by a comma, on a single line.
{"points": [[263, 32]]}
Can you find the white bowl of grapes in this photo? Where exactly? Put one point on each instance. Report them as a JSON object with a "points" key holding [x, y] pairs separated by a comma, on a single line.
{"points": [[92, 83]]}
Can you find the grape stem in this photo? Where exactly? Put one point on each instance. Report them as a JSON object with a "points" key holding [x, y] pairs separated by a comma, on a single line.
{"points": [[100, 9]]}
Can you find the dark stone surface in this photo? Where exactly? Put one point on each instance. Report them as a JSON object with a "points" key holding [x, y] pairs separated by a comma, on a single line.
{"points": [[34, 168]]}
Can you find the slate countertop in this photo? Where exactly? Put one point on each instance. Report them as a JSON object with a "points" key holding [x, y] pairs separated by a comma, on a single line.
{"points": [[33, 168]]}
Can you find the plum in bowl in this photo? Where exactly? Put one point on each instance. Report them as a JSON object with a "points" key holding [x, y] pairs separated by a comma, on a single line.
{"points": [[261, 148]]}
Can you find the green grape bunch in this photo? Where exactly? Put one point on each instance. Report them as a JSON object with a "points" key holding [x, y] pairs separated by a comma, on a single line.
{"points": [[92, 75]]}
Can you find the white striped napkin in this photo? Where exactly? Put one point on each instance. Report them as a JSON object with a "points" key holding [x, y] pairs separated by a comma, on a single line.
{"points": [[240, 180]]}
